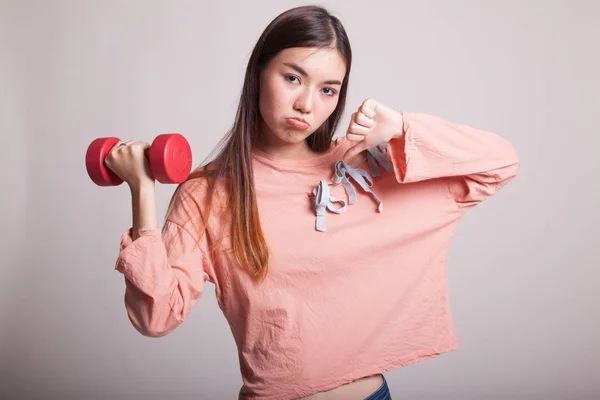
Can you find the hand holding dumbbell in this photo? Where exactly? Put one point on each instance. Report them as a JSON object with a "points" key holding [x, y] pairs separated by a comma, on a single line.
{"points": [[109, 161]]}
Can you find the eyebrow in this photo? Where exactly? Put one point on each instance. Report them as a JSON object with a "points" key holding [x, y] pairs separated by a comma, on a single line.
{"points": [[304, 74]]}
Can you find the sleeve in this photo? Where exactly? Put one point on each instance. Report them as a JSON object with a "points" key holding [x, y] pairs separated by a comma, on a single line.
{"points": [[165, 272], [475, 163]]}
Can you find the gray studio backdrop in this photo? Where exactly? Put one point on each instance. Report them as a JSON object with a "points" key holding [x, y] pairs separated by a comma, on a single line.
{"points": [[524, 268]]}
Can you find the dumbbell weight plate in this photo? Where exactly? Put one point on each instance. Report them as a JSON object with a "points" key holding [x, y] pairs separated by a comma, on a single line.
{"points": [[170, 158], [94, 162]]}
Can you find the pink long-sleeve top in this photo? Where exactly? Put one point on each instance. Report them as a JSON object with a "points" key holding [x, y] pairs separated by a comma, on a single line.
{"points": [[356, 282]]}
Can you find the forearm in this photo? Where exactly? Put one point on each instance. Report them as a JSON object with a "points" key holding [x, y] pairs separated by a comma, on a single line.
{"points": [[163, 282], [143, 202], [433, 148]]}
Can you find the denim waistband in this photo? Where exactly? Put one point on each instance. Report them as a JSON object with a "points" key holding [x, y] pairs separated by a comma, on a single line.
{"points": [[383, 393]]}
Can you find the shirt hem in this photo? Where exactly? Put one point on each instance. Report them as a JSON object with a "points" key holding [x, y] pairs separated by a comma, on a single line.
{"points": [[378, 369]]}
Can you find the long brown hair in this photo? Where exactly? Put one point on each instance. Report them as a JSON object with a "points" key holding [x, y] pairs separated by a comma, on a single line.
{"points": [[307, 26]]}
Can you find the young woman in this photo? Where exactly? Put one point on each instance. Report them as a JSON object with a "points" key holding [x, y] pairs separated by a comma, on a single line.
{"points": [[328, 257]]}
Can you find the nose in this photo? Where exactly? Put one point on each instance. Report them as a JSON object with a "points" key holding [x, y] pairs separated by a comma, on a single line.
{"points": [[304, 102]]}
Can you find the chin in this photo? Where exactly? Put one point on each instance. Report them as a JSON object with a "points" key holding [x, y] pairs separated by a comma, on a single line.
{"points": [[293, 136]]}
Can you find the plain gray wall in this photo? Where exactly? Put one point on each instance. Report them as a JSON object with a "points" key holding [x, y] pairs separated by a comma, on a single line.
{"points": [[524, 266]]}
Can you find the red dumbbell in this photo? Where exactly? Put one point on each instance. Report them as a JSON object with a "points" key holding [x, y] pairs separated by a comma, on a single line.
{"points": [[170, 159]]}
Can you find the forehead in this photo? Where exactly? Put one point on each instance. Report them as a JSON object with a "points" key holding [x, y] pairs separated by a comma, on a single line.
{"points": [[326, 63]]}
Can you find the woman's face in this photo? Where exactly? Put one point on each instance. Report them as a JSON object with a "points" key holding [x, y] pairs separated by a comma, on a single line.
{"points": [[299, 89]]}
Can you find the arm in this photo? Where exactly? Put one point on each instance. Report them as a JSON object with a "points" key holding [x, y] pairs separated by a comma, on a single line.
{"points": [[476, 163], [143, 204], [164, 269]]}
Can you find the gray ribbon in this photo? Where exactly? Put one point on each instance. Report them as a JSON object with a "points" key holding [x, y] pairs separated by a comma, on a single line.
{"points": [[324, 202], [323, 199], [374, 154]]}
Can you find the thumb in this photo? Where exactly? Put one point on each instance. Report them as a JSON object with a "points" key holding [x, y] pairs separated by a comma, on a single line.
{"points": [[356, 149]]}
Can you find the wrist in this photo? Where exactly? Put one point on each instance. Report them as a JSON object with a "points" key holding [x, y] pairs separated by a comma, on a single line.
{"points": [[399, 130], [141, 189]]}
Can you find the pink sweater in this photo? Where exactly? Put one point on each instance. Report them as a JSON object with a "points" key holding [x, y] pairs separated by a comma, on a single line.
{"points": [[349, 293]]}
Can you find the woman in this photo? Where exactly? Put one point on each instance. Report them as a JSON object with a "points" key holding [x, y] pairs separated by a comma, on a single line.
{"points": [[324, 291]]}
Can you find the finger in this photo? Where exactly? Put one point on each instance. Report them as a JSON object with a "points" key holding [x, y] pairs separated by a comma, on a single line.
{"points": [[138, 144], [120, 145], [355, 138], [144, 147], [363, 120], [354, 150], [368, 107], [358, 129], [115, 150]]}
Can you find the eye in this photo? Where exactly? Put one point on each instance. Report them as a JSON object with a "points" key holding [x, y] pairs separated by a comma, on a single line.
{"points": [[331, 92], [290, 78]]}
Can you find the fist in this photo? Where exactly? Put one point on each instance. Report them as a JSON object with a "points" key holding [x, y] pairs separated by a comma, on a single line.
{"points": [[372, 125], [129, 162]]}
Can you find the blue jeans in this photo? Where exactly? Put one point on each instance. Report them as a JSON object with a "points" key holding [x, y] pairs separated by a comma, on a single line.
{"points": [[383, 393]]}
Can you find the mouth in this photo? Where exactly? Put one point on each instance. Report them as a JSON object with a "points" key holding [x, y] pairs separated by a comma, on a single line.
{"points": [[298, 123]]}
